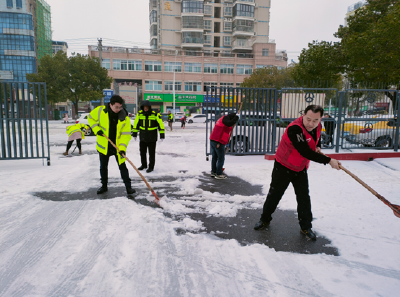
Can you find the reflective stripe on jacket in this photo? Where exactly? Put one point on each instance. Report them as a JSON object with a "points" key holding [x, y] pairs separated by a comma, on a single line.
{"points": [[76, 128], [288, 156], [147, 125], [98, 120], [221, 133]]}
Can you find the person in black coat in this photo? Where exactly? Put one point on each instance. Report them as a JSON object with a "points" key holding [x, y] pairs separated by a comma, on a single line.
{"points": [[329, 129]]}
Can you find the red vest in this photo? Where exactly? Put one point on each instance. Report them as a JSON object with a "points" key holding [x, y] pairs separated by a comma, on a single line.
{"points": [[288, 156], [221, 133]]}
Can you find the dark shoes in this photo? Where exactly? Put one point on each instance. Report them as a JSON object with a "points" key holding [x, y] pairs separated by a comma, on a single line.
{"points": [[130, 191], [142, 167], [261, 225], [149, 170], [102, 190], [309, 233]]}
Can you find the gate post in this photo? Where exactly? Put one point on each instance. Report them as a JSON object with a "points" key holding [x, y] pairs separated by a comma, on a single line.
{"points": [[339, 122], [396, 120], [273, 146]]}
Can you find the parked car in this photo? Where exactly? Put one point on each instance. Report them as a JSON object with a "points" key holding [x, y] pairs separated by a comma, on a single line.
{"points": [[83, 120], [196, 118], [374, 134], [179, 116]]}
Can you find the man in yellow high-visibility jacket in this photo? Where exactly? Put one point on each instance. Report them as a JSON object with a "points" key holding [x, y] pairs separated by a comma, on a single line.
{"points": [[75, 133], [112, 121], [147, 122]]}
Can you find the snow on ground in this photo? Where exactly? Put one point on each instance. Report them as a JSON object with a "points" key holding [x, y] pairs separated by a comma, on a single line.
{"points": [[117, 247]]}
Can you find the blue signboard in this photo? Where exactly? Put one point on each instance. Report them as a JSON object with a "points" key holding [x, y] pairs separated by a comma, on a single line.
{"points": [[211, 99], [107, 95]]}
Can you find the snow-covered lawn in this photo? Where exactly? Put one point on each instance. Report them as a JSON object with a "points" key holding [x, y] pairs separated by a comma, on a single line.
{"points": [[117, 247]]}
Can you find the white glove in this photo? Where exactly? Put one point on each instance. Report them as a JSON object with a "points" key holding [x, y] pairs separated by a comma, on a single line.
{"points": [[135, 138]]}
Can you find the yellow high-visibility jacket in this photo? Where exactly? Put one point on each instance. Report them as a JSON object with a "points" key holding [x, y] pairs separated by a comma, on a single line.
{"points": [[147, 124], [98, 120], [76, 128], [171, 117]]}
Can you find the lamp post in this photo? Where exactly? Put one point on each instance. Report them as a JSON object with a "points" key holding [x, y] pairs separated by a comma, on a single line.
{"points": [[136, 99], [173, 88]]}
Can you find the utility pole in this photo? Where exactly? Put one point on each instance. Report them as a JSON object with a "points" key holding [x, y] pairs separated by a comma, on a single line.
{"points": [[100, 48]]}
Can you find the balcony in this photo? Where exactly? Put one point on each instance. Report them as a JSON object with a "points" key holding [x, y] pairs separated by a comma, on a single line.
{"points": [[242, 44]]}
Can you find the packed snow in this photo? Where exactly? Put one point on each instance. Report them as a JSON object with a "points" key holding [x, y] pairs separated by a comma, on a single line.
{"points": [[118, 247]]}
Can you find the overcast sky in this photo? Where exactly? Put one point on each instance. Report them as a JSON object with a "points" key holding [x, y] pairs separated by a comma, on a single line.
{"points": [[293, 24]]}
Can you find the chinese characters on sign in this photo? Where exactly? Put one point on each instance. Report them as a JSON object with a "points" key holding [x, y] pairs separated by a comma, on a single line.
{"points": [[167, 6]]}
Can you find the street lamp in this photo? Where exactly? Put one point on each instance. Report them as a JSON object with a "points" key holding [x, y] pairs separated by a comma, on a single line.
{"points": [[136, 101], [173, 88]]}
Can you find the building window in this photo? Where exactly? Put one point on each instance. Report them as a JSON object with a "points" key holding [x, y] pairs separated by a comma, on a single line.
{"points": [[226, 84], [227, 41], [263, 66], [227, 26], [207, 39], [209, 84], [244, 69], [238, 85], [152, 66], [19, 3], [243, 10], [106, 64], [133, 65], [210, 68], [193, 6], [192, 37], [228, 11], [207, 25], [207, 9], [9, 3], [153, 30], [168, 86], [116, 64], [153, 85], [193, 67], [171, 66], [153, 16], [243, 25], [265, 52], [192, 22], [227, 68], [192, 86]]}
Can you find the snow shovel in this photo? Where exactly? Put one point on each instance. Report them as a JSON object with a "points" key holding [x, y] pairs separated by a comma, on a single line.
{"points": [[394, 207], [157, 200]]}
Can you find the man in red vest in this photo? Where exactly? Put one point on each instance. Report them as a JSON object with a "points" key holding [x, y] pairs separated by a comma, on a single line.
{"points": [[219, 138], [300, 143]]}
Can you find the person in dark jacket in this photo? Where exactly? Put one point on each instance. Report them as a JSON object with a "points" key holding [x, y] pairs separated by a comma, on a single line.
{"points": [[329, 129], [183, 121], [300, 143], [219, 137], [147, 122]]}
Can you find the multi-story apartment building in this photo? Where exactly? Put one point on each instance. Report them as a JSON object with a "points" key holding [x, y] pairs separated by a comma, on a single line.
{"points": [[59, 46], [352, 9], [195, 44], [25, 34], [17, 47]]}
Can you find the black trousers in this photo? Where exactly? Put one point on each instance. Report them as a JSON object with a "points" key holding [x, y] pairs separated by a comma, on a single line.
{"points": [[281, 177], [78, 144], [151, 147], [104, 171]]}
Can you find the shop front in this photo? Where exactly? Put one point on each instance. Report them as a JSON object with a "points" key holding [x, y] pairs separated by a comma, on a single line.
{"points": [[183, 102]]}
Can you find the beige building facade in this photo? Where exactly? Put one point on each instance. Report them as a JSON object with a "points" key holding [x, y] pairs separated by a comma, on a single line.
{"points": [[197, 44]]}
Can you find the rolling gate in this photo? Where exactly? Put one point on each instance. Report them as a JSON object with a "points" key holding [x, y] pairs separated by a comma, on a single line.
{"points": [[362, 118], [24, 129]]}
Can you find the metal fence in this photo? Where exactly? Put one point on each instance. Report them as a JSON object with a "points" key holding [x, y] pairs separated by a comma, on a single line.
{"points": [[24, 130], [355, 118]]}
